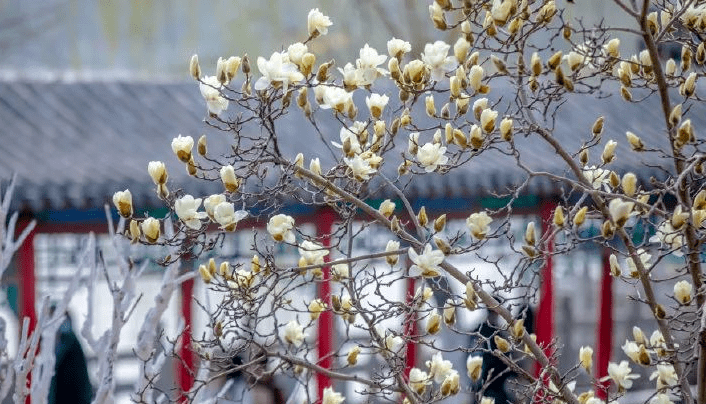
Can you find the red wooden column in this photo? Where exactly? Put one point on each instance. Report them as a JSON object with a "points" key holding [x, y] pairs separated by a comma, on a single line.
{"points": [[324, 225], [604, 339], [185, 366], [545, 312]]}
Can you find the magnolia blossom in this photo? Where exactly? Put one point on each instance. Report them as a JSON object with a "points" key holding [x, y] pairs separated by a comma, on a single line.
{"points": [[418, 380], [501, 10], [631, 350], [433, 324], [277, 71], [479, 224], [186, 208], [436, 57], [620, 374], [340, 271], [157, 171], [123, 202], [226, 215], [368, 64], [431, 156], [280, 228], [360, 168], [487, 119], [181, 146], [336, 98], [312, 252], [682, 291], [293, 333], [667, 235], [586, 357], [474, 365], [332, 397], [210, 89], [620, 211], [150, 228], [596, 176], [426, 264], [644, 258], [211, 202], [230, 181], [393, 343], [376, 104], [665, 375], [450, 385], [398, 47], [349, 137], [439, 368], [392, 245], [387, 208], [316, 307], [317, 23], [296, 51]]}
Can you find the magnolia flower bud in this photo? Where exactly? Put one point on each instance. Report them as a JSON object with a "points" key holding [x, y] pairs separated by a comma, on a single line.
{"points": [[315, 166], [474, 365], [635, 141], [597, 127], [638, 335], [442, 245], [255, 264], [687, 89], [612, 48], [529, 234], [316, 307], [230, 181], [614, 179], [386, 208], [685, 134], [194, 68], [502, 344], [224, 270], [615, 269], [201, 146], [205, 274], [515, 25], [471, 300], [607, 230], [339, 272], [450, 385], [499, 64], [475, 77], [134, 231], [506, 129], [675, 115], [580, 216], [682, 292], [586, 358], [558, 217], [536, 64], [449, 312], [352, 357], [461, 48], [670, 67], [181, 146], [433, 324], [554, 60], [609, 151], [487, 119], [422, 217], [629, 184], [660, 313], [533, 84], [460, 139], [150, 228], [429, 104], [221, 74], [575, 60], [392, 245], [123, 202], [440, 223], [583, 157], [625, 93], [158, 172], [685, 58], [701, 54], [518, 328], [191, 167], [679, 217]]}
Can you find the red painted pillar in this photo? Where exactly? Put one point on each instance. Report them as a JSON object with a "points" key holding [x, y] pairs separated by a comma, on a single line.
{"points": [[324, 225], [545, 312], [604, 338], [185, 366], [410, 329]]}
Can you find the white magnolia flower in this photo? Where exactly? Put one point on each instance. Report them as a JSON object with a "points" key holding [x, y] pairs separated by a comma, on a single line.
{"points": [[360, 168], [340, 271], [439, 368], [487, 119], [620, 211], [433, 324], [312, 252], [392, 245], [398, 47], [317, 23], [316, 307], [280, 228], [436, 57], [387, 208], [336, 98], [682, 291], [644, 258], [210, 89], [332, 397], [450, 385], [293, 333], [431, 156], [474, 365], [226, 215], [350, 135], [620, 374], [427, 263], [479, 224], [376, 104], [157, 171], [665, 375], [657, 340], [586, 357], [296, 51], [368, 64], [186, 208], [632, 351], [393, 343], [475, 77], [123, 202], [229, 179], [211, 202], [277, 71], [181, 146], [596, 176], [667, 235], [501, 10], [150, 228], [418, 380]]}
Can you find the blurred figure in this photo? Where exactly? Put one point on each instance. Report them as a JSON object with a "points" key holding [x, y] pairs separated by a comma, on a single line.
{"points": [[70, 384], [253, 387]]}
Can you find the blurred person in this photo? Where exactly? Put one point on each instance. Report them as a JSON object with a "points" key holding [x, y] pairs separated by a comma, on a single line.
{"points": [[70, 384], [252, 385]]}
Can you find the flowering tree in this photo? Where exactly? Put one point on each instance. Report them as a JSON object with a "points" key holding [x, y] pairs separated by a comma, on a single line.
{"points": [[507, 87]]}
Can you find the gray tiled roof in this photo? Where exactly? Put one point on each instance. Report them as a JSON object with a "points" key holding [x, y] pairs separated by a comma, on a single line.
{"points": [[74, 144]]}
